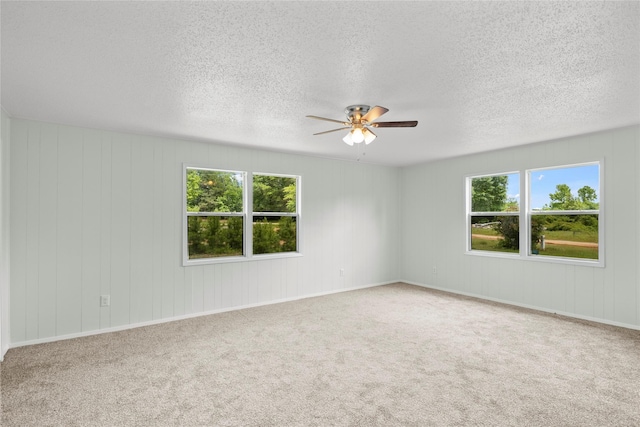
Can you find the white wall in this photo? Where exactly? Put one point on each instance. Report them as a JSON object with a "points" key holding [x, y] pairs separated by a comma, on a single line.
{"points": [[4, 233], [433, 232], [95, 212]]}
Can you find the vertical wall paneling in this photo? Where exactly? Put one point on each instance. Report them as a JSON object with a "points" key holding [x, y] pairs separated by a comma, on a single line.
{"points": [[33, 229], [170, 201], [208, 288], [105, 224], [608, 294], [156, 217], [625, 226], [91, 219], [69, 227], [194, 280], [142, 224], [48, 231], [5, 153], [182, 294], [18, 245], [99, 213], [121, 214]]}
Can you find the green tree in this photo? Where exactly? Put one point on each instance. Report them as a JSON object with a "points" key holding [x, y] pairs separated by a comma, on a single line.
{"points": [[196, 240], [287, 234], [290, 197], [489, 194], [265, 239], [509, 228], [215, 239], [562, 199], [235, 233], [274, 193], [588, 197], [218, 191], [193, 190]]}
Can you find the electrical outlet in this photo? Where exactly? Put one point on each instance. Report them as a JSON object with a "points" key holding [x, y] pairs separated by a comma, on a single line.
{"points": [[105, 300], [435, 270], [342, 272]]}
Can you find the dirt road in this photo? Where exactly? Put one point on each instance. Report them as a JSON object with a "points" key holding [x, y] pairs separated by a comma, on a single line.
{"points": [[548, 242]]}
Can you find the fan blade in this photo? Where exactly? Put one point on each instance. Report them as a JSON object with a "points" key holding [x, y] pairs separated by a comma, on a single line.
{"points": [[409, 124], [330, 120], [332, 130], [374, 113]]}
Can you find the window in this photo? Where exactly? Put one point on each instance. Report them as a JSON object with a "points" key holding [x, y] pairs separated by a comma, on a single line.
{"points": [[275, 214], [564, 211], [494, 217], [215, 213], [560, 219], [217, 203]]}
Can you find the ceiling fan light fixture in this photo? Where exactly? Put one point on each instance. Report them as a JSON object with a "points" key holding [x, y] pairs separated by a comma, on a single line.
{"points": [[348, 140], [357, 135], [368, 136], [361, 118]]}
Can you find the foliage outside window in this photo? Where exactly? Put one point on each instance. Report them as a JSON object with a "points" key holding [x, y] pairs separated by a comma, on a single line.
{"points": [[562, 213], [215, 213], [494, 216], [565, 207], [275, 214]]}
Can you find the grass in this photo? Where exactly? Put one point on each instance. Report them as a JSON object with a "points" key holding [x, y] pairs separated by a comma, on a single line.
{"points": [[571, 236], [570, 251], [551, 250]]}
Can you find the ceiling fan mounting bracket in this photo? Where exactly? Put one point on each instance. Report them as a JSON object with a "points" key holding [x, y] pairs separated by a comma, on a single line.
{"points": [[353, 111]]}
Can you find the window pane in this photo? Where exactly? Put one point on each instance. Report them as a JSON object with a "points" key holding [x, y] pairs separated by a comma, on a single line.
{"points": [[498, 193], [572, 236], [495, 233], [214, 191], [571, 188], [214, 236], [274, 193], [273, 234]]}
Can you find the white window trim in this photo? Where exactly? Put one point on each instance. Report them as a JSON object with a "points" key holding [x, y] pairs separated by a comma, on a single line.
{"points": [[525, 213], [469, 214], [296, 214], [247, 201]]}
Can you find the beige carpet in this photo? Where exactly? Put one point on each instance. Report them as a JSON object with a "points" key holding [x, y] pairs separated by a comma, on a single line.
{"points": [[391, 355]]}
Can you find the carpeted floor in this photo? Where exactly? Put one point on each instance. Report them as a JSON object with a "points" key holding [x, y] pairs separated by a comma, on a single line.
{"points": [[395, 355]]}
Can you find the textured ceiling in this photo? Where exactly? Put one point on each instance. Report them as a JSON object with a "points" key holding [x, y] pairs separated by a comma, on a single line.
{"points": [[477, 76]]}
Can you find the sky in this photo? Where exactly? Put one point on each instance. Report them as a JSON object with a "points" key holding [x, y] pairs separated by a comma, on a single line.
{"points": [[544, 181]]}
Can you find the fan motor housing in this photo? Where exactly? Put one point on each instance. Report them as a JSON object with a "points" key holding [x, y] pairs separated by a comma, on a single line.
{"points": [[353, 110]]}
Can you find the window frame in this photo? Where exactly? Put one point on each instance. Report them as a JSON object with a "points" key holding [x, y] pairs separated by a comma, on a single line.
{"points": [[246, 214], [186, 214], [526, 213], [530, 213], [470, 214], [295, 215]]}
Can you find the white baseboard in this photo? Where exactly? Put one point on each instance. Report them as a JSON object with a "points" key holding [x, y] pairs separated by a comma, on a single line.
{"points": [[532, 307], [186, 316]]}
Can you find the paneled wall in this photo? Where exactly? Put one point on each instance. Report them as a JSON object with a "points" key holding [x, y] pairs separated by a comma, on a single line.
{"points": [[96, 212], [4, 232], [433, 232]]}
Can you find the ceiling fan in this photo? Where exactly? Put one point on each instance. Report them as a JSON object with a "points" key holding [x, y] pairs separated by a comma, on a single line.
{"points": [[360, 121]]}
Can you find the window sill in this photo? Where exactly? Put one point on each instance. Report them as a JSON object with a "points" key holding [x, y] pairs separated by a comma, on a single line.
{"points": [[539, 258], [225, 260]]}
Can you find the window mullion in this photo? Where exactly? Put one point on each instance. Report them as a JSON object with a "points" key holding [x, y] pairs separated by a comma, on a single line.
{"points": [[248, 218], [525, 217]]}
